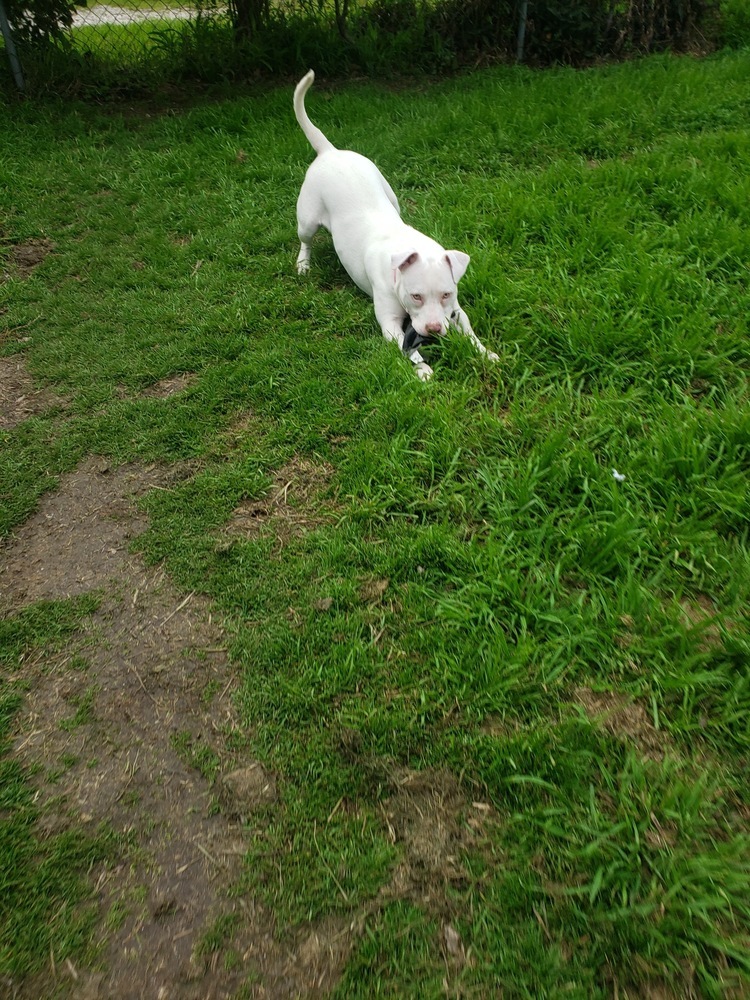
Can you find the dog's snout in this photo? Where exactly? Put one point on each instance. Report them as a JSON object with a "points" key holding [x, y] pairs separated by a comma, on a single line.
{"points": [[433, 327]]}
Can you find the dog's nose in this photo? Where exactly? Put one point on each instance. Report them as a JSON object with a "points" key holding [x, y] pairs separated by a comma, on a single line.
{"points": [[433, 327]]}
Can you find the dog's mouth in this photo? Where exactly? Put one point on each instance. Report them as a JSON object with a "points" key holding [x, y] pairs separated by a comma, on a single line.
{"points": [[412, 339]]}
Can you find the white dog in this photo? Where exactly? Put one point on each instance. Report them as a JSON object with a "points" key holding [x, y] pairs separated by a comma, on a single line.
{"points": [[410, 278]]}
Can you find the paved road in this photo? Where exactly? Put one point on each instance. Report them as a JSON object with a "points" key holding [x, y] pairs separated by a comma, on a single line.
{"points": [[109, 14]]}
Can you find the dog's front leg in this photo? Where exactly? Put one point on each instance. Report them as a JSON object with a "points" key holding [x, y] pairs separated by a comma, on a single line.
{"points": [[461, 320], [390, 324], [421, 367]]}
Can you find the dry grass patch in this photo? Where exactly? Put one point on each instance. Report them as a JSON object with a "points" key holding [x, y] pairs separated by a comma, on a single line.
{"points": [[20, 397], [24, 258], [292, 506], [433, 823], [169, 386], [701, 615], [625, 719]]}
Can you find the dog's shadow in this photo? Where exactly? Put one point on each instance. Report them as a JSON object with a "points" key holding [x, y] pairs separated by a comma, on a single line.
{"points": [[325, 266]]}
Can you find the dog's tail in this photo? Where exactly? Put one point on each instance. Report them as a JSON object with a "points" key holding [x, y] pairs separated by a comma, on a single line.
{"points": [[315, 137]]}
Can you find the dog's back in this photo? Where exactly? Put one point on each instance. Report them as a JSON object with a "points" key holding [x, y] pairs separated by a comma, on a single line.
{"points": [[345, 193], [410, 278]]}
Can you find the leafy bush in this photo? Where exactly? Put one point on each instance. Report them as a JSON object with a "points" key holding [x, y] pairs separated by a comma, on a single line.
{"points": [[561, 31], [735, 23], [36, 21], [339, 37]]}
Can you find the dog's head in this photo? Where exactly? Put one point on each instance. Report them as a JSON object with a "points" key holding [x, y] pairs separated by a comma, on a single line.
{"points": [[426, 287]]}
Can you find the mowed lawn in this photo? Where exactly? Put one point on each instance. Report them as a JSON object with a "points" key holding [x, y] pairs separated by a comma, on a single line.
{"points": [[520, 590]]}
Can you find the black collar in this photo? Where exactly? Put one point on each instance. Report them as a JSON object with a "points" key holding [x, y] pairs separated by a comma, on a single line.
{"points": [[412, 339]]}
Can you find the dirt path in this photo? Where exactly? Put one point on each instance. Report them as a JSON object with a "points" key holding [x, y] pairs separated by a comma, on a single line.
{"points": [[150, 674], [131, 725]]}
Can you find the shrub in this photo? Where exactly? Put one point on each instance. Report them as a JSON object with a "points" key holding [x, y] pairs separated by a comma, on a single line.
{"points": [[580, 31], [36, 21], [735, 23], [343, 36]]}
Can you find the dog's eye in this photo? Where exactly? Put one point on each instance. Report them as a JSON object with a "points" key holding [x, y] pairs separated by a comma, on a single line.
{"points": [[446, 296], [419, 299]]}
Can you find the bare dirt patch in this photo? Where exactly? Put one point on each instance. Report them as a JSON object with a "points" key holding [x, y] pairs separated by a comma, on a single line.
{"points": [[167, 387], [625, 719], [372, 590], [430, 818], [701, 615], [132, 725], [291, 507], [20, 397], [25, 257], [103, 724]]}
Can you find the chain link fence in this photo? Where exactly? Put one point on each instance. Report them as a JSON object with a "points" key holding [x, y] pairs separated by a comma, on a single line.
{"points": [[137, 43], [99, 18], [121, 33], [59, 42], [128, 32]]}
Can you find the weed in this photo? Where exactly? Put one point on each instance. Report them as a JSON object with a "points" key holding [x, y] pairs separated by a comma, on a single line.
{"points": [[218, 936], [198, 754], [44, 625], [84, 710]]}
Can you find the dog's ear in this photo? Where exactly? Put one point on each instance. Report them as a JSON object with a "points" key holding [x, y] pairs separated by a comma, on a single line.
{"points": [[400, 261], [458, 262]]}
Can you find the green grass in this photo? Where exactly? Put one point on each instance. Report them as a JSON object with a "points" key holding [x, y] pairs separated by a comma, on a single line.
{"points": [[45, 625], [126, 43], [46, 913], [196, 753], [607, 217]]}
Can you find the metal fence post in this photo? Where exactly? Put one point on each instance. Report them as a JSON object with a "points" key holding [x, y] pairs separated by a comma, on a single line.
{"points": [[522, 18], [10, 48]]}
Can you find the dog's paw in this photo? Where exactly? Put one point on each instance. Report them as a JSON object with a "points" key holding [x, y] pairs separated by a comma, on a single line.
{"points": [[491, 356], [423, 371], [303, 267]]}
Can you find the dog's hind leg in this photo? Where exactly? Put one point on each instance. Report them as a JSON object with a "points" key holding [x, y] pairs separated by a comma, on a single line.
{"points": [[310, 213], [303, 258], [305, 239]]}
